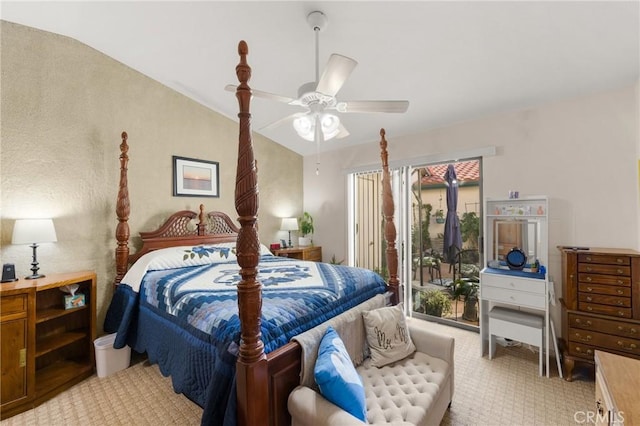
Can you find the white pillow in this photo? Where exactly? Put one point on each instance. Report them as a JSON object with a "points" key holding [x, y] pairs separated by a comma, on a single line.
{"points": [[387, 335]]}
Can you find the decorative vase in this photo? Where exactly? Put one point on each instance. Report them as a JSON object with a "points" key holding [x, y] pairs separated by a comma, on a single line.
{"points": [[304, 241]]}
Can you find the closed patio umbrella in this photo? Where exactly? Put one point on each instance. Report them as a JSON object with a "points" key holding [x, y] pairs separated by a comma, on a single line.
{"points": [[452, 236]]}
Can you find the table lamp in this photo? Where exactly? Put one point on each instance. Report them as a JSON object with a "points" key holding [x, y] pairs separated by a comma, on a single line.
{"points": [[289, 224], [34, 231]]}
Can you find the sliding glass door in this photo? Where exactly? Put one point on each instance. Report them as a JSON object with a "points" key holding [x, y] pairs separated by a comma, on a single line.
{"points": [[438, 217]]}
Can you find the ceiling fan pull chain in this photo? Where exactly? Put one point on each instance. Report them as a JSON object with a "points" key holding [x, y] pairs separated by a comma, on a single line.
{"points": [[319, 137]]}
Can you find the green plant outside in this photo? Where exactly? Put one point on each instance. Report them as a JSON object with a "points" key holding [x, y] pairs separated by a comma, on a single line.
{"points": [[434, 302], [421, 239], [383, 272], [467, 289], [464, 287], [470, 228]]}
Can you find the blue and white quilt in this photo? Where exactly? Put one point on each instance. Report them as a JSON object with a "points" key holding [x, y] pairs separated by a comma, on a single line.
{"points": [[180, 306]]}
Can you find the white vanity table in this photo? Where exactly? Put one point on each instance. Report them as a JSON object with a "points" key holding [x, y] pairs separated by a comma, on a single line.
{"points": [[520, 223]]}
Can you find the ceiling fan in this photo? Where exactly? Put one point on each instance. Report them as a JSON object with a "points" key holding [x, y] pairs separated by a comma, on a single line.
{"points": [[319, 122]]}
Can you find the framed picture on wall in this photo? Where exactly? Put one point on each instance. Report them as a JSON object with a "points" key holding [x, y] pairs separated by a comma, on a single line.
{"points": [[195, 178]]}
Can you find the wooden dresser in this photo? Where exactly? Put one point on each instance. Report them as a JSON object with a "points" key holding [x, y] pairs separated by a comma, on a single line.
{"points": [[600, 304]]}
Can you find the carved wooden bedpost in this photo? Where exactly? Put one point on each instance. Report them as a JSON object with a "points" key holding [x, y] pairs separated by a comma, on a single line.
{"points": [[202, 224], [122, 211], [251, 374], [389, 225]]}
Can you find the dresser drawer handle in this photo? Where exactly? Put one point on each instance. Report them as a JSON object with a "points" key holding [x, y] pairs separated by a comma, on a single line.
{"points": [[579, 321], [589, 308], [589, 289], [620, 271], [631, 347], [619, 260], [588, 268], [585, 339], [631, 330], [620, 313], [589, 298], [620, 282], [589, 279], [588, 258], [588, 351], [620, 303], [620, 292]]}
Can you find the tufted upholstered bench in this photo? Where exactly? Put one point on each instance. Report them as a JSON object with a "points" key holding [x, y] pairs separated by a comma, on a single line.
{"points": [[416, 390]]}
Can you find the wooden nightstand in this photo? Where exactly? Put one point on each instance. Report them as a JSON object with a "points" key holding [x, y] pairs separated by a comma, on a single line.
{"points": [[311, 253], [46, 348]]}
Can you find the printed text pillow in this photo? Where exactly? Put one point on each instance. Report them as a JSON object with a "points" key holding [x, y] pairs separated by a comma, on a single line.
{"points": [[387, 335]]}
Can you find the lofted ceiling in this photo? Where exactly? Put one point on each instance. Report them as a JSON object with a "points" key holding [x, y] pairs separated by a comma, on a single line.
{"points": [[454, 61]]}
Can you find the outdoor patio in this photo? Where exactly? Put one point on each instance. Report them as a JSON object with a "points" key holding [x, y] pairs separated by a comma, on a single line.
{"points": [[431, 282]]}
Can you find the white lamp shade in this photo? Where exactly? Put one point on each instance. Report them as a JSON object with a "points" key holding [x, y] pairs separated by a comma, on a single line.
{"points": [[31, 231], [289, 224]]}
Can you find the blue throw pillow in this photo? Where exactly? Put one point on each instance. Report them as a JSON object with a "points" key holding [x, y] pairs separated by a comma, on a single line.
{"points": [[337, 378]]}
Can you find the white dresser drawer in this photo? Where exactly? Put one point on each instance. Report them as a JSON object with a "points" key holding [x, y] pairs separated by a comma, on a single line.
{"points": [[507, 282], [512, 297]]}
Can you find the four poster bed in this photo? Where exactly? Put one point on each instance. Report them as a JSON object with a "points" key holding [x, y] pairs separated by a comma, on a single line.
{"points": [[216, 310]]}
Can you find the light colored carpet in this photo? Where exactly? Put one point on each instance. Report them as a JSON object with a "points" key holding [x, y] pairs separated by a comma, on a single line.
{"points": [[504, 391]]}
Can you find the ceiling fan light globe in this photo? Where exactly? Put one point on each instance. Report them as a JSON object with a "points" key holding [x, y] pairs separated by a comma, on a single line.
{"points": [[304, 126], [330, 125]]}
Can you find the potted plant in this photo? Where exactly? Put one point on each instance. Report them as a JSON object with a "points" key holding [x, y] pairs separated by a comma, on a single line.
{"points": [[470, 312], [439, 216], [435, 303], [466, 288], [306, 229]]}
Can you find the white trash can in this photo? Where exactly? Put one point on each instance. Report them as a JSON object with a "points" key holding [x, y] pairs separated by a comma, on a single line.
{"points": [[108, 359]]}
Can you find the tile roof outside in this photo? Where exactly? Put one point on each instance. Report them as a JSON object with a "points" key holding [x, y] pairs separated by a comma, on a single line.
{"points": [[466, 171]]}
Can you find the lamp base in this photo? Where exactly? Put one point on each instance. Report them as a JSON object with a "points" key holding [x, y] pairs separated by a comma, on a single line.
{"points": [[34, 276]]}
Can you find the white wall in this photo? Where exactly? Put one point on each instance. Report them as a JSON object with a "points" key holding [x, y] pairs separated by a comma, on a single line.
{"points": [[582, 153]]}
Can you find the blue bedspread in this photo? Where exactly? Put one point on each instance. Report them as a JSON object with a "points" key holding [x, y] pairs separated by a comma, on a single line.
{"points": [[186, 318]]}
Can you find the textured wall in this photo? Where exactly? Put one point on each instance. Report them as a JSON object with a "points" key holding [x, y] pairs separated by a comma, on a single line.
{"points": [[63, 107]]}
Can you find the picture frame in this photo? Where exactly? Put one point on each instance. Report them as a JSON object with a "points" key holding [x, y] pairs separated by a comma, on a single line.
{"points": [[195, 178]]}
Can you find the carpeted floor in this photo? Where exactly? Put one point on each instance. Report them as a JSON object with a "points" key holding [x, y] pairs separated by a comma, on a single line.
{"points": [[504, 391]]}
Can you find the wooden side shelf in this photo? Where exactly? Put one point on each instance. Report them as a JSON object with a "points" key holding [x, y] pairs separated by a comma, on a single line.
{"points": [[49, 314], [51, 343], [60, 373], [46, 348]]}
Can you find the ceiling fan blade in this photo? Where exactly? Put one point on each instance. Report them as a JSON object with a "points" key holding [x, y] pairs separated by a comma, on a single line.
{"points": [[343, 133], [261, 94], [281, 121], [373, 106], [335, 74]]}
